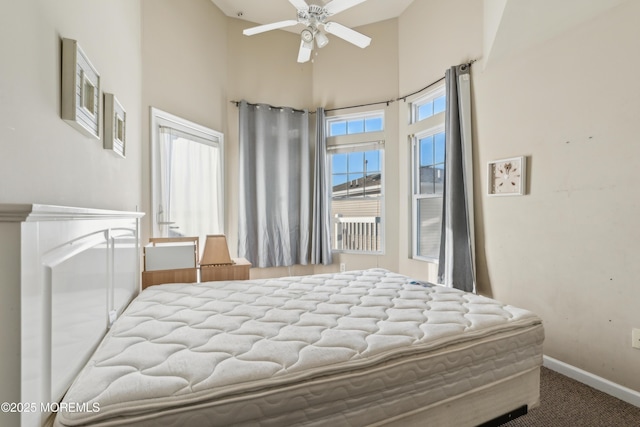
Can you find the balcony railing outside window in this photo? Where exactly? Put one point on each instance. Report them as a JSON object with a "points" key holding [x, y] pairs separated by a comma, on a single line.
{"points": [[357, 233]]}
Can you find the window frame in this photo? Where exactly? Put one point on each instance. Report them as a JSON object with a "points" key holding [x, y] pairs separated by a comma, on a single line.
{"points": [[377, 114], [357, 148], [160, 118], [418, 129], [435, 93], [416, 195], [351, 143]]}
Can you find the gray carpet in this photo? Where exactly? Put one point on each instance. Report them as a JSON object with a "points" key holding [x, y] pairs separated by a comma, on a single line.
{"points": [[565, 402]]}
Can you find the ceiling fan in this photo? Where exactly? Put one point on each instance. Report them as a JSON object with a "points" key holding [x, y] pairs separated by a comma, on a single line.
{"points": [[314, 17]]}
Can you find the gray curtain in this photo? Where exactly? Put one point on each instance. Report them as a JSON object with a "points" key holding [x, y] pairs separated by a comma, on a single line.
{"points": [[457, 248], [274, 187], [321, 224]]}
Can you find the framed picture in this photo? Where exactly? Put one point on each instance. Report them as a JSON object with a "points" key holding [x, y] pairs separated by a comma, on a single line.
{"points": [[115, 125], [507, 177], [80, 97]]}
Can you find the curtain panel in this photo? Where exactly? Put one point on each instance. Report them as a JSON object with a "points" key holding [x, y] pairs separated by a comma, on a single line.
{"points": [[189, 185], [456, 266], [274, 186], [321, 224]]}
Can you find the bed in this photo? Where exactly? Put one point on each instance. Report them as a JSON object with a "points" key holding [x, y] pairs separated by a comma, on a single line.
{"points": [[368, 347]]}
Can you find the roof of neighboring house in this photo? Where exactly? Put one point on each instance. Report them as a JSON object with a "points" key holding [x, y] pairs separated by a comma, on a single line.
{"points": [[369, 184]]}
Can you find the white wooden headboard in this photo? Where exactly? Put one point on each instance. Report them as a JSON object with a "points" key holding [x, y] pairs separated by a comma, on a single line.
{"points": [[65, 274]]}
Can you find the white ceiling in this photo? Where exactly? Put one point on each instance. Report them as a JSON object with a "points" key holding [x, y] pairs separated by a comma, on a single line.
{"points": [[267, 11]]}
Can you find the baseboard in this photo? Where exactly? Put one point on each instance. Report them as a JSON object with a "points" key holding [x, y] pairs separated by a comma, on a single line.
{"points": [[616, 390]]}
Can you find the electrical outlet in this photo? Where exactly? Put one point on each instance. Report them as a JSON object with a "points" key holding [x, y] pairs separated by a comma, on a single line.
{"points": [[343, 267], [635, 338]]}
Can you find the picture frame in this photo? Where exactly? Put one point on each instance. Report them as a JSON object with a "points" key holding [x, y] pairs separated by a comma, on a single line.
{"points": [[507, 177], [115, 125], [80, 92]]}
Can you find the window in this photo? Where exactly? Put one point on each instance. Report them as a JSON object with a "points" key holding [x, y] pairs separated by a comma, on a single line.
{"points": [[354, 124], [429, 105], [428, 177], [428, 168], [187, 178], [356, 160]]}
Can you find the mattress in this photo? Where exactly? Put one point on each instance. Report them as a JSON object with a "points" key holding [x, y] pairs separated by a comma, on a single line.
{"points": [[352, 348]]}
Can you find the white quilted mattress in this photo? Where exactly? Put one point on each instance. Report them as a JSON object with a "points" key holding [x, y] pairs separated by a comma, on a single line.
{"points": [[349, 349]]}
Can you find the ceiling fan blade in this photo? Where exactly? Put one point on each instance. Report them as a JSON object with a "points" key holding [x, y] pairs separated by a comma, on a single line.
{"points": [[299, 4], [304, 54], [336, 6], [347, 34], [268, 27]]}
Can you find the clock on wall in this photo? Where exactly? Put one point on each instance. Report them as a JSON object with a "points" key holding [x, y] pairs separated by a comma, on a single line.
{"points": [[507, 177]]}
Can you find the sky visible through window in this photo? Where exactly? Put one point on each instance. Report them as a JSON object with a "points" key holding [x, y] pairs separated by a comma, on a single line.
{"points": [[432, 149], [356, 125], [431, 107]]}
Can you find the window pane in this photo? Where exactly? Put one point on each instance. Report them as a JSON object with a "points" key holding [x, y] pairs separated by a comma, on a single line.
{"points": [[340, 185], [426, 151], [427, 179], [338, 128], [356, 162], [429, 227], [355, 126], [339, 163], [358, 186], [439, 104], [373, 124], [374, 185], [357, 225], [355, 181], [425, 110], [439, 147], [356, 203], [195, 169], [438, 178], [372, 159], [338, 179]]}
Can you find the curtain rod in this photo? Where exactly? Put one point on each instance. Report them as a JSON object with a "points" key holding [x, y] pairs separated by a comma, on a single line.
{"points": [[361, 105], [273, 106], [401, 98]]}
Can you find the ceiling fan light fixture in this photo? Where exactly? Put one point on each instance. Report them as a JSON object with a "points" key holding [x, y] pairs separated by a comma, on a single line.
{"points": [[307, 35], [321, 39]]}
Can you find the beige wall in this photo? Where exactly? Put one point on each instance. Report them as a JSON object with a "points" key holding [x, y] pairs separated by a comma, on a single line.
{"points": [[42, 158], [184, 70], [345, 75], [568, 250]]}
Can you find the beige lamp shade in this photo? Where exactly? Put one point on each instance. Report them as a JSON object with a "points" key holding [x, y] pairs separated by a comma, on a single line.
{"points": [[216, 251]]}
